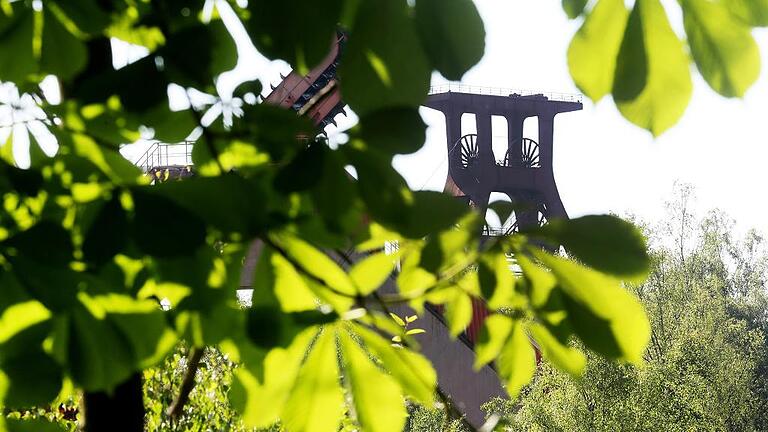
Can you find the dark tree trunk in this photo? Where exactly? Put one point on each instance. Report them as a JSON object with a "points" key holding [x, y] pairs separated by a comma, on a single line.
{"points": [[122, 410]]}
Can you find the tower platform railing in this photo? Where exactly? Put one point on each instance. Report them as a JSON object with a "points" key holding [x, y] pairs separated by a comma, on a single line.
{"points": [[502, 91], [162, 155]]}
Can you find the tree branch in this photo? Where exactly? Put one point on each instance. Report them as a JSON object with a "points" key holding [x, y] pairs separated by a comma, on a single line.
{"points": [[187, 384]]}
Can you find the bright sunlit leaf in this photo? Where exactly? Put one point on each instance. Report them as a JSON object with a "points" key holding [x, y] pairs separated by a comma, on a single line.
{"points": [[652, 83], [593, 50], [376, 396], [723, 47]]}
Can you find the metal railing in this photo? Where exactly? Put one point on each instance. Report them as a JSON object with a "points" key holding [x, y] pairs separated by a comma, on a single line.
{"points": [[162, 155], [501, 91]]}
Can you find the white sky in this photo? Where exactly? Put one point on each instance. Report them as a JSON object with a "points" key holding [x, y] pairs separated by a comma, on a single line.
{"points": [[602, 162]]}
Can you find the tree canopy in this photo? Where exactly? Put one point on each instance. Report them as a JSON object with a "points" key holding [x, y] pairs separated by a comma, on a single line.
{"points": [[705, 367]]}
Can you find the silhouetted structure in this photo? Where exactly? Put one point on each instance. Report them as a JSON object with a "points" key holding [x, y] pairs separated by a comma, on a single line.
{"points": [[524, 172], [316, 94]]}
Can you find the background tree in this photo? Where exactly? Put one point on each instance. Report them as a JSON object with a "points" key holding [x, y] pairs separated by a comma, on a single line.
{"points": [[705, 366]]}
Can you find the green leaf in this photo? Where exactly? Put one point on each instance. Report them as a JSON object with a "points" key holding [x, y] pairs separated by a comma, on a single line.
{"points": [[431, 212], [415, 280], [126, 29], [335, 196], [723, 47], [412, 371], [316, 401], [46, 242], [274, 130], [452, 51], [274, 272], [540, 282], [162, 228], [303, 171], [21, 181], [517, 361], [382, 189], [16, 34], [373, 74], [240, 210], [378, 402], [34, 378], [652, 83], [38, 278], [459, 313], [277, 280], [21, 316], [40, 43], [98, 358], [445, 249], [574, 8], [606, 317], [89, 16], [203, 279], [493, 336], [62, 53], [100, 81], [107, 160], [371, 272], [32, 425], [3, 390], [752, 12], [299, 32], [397, 319], [261, 400], [593, 49], [565, 358], [497, 284], [169, 126], [143, 325], [110, 337], [197, 54], [393, 130], [605, 243], [318, 264], [268, 327], [106, 235]]}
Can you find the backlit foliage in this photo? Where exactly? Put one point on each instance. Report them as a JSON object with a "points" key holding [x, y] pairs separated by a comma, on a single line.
{"points": [[89, 250]]}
